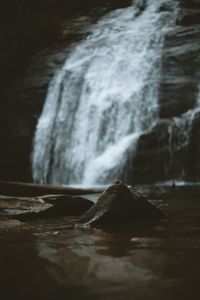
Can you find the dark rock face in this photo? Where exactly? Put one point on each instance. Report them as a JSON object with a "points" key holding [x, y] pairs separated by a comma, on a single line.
{"points": [[20, 109], [180, 71], [193, 161], [171, 150], [152, 156], [61, 205], [120, 206], [29, 26]]}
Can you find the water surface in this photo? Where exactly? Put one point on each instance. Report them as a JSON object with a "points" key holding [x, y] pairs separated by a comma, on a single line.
{"points": [[49, 259]]}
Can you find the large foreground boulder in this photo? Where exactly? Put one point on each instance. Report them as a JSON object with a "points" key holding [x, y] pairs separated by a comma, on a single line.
{"points": [[120, 206]]}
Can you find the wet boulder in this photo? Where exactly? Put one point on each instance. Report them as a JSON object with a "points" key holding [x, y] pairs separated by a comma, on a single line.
{"points": [[118, 207], [42, 207]]}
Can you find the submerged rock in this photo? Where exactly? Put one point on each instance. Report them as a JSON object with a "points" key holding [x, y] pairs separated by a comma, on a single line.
{"points": [[120, 206], [42, 207]]}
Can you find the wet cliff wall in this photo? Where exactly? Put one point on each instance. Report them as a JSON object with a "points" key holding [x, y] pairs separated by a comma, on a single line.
{"points": [[172, 149], [28, 26], [34, 39]]}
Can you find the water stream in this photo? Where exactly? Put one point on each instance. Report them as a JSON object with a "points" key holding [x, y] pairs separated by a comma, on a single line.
{"points": [[104, 97]]}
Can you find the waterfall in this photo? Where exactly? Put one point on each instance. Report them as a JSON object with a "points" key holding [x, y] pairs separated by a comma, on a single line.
{"points": [[104, 97], [179, 129]]}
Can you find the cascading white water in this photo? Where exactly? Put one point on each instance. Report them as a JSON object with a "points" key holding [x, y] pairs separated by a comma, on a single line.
{"points": [[179, 129], [104, 97]]}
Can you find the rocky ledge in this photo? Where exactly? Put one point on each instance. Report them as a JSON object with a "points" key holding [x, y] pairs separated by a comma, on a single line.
{"points": [[171, 150]]}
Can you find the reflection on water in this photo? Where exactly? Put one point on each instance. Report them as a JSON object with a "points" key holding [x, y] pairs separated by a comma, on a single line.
{"points": [[90, 257], [153, 263]]}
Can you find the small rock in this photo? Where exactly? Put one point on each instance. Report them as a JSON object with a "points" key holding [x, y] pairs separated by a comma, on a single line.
{"points": [[120, 206]]}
